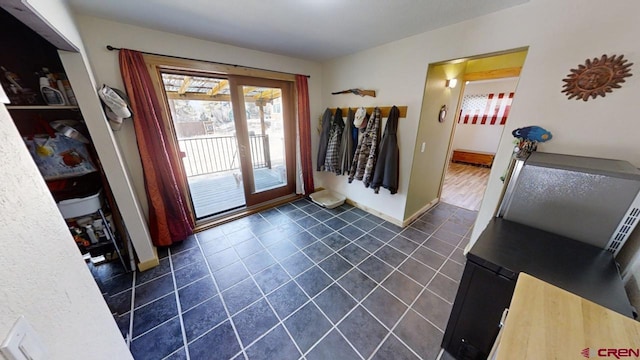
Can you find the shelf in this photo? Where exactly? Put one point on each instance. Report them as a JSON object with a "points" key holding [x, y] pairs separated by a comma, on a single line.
{"points": [[41, 107]]}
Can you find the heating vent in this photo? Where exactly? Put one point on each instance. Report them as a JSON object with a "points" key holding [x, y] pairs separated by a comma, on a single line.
{"points": [[626, 226]]}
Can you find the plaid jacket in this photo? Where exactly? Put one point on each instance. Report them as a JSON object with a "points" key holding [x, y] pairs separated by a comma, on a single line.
{"points": [[364, 160], [331, 162]]}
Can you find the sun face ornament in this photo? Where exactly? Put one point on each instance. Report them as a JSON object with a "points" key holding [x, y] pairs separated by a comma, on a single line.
{"points": [[596, 77]]}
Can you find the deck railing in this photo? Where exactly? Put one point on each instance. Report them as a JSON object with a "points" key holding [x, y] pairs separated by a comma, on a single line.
{"points": [[213, 154]]}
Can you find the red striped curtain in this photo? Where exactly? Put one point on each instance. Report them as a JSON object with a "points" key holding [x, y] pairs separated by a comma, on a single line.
{"points": [[485, 109], [304, 132], [169, 220]]}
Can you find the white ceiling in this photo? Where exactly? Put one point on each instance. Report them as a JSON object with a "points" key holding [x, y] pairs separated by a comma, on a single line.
{"points": [[309, 29]]}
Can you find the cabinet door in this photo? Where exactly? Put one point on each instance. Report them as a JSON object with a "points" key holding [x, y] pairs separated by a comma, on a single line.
{"points": [[474, 323]]}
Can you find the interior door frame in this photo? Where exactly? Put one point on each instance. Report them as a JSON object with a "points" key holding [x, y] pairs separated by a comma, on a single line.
{"points": [[500, 73], [236, 84]]}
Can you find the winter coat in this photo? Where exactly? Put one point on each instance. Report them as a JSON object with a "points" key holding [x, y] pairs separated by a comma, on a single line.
{"points": [[346, 145], [324, 139], [331, 162], [387, 167], [364, 160], [354, 139]]}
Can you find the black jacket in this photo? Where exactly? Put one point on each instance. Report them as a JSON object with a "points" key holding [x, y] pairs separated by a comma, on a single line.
{"points": [[346, 146], [388, 164]]}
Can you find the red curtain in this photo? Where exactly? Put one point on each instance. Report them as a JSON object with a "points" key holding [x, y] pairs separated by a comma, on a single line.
{"points": [[304, 130], [169, 220]]}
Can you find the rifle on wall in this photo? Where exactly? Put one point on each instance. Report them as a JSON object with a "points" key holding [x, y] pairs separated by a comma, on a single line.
{"points": [[356, 92]]}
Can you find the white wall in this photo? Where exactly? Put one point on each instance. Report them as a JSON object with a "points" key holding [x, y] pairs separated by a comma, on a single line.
{"points": [[477, 136], [397, 73], [43, 275], [560, 35], [97, 33], [57, 15], [573, 31]]}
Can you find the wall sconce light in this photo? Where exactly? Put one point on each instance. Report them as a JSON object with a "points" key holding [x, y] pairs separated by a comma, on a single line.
{"points": [[451, 83]]}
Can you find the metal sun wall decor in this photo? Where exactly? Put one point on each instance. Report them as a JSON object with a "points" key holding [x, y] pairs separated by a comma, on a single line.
{"points": [[596, 77]]}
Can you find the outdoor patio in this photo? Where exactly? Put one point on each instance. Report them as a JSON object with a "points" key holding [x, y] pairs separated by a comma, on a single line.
{"points": [[219, 192]]}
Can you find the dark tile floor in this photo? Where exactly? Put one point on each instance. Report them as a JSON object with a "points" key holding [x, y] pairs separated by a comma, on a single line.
{"points": [[297, 282]]}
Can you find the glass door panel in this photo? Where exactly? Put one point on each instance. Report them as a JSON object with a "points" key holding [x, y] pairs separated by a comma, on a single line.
{"points": [[266, 136], [263, 107], [205, 132]]}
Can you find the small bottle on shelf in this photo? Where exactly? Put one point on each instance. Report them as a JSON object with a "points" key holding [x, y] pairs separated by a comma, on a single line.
{"points": [[50, 95], [92, 235], [66, 88], [50, 77]]}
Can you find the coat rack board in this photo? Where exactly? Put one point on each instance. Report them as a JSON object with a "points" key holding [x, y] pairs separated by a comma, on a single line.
{"points": [[384, 110]]}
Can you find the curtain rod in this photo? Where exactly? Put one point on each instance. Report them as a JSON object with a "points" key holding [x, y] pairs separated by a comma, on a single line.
{"points": [[112, 48]]}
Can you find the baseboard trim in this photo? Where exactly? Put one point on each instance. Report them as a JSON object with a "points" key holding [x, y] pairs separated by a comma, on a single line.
{"points": [[209, 223], [374, 212], [418, 213], [149, 264]]}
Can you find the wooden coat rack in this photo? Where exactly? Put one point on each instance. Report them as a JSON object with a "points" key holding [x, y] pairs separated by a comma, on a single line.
{"points": [[384, 110]]}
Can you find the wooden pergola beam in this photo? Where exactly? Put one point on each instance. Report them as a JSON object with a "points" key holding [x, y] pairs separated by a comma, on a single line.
{"points": [[185, 85], [197, 96], [216, 89], [269, 94]]}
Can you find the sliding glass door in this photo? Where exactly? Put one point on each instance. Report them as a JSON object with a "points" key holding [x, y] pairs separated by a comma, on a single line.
{"points": [[235, 137]]}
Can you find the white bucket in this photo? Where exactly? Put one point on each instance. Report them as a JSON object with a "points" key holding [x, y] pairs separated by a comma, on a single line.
{"points": [[327, 198], [73, 208]]}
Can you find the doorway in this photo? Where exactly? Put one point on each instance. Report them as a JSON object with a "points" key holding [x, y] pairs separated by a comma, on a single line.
{"points": [[235, 137], [478, 127], [434, 139]]}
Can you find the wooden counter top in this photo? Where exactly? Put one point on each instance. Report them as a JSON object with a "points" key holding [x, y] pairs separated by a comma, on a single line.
{"points": [[546, 322]]}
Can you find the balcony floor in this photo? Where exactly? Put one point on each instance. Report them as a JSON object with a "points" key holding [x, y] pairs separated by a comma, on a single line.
{"points": [[216, 193]]}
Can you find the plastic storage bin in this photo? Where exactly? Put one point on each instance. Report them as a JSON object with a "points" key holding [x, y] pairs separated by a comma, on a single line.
{"points": [[327, 198], [72, 208]]}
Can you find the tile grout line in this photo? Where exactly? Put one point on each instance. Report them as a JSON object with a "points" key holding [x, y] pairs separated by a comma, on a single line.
{"points": [[311, 299], [175, 289], [436, 271], [379, 284], [339, 285], [410, 307], [279, 262], [191, 283], [133, 300], [157, 326], [396, 268], [264, 296], [390, 329], [224, 304], [173, 353], [358, 302]]}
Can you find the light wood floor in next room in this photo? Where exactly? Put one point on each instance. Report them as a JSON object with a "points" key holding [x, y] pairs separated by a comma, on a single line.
{"points": [[464, 185]]}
